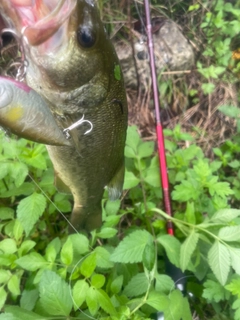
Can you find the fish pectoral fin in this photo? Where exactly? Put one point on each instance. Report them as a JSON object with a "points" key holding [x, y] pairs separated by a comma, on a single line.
{"points": [[116, 184], [60, 185]]}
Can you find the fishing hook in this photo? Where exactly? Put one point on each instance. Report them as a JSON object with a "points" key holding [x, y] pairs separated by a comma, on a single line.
{"points": [[77, 124]]}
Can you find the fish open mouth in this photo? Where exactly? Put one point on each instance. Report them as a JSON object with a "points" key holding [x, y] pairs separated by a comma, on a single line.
{"points": [[38, 20]]}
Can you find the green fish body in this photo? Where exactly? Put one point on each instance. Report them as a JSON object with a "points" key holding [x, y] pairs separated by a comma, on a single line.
{"points": [[77, 73]]}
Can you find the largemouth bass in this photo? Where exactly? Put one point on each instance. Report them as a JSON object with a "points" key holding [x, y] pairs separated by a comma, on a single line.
{"points": [[73, 66]]}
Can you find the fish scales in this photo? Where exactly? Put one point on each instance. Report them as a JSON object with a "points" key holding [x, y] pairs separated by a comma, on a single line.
{"points": [[77, 73]]}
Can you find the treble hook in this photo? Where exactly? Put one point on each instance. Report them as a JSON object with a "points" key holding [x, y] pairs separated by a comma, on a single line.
{"points": [[77, 124]]}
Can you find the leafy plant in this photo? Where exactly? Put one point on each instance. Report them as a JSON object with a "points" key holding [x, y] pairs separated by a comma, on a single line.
{"points": [[120, 271]]}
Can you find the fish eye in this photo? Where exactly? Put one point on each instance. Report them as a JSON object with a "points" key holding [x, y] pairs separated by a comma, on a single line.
{"points": [[86, 36]]}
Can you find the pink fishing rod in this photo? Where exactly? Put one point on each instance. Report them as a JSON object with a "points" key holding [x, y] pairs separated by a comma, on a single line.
{"points": [[159, 129]]}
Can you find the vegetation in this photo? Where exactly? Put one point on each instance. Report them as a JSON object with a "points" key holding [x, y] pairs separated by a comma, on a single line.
{"points": [[126, 269]]}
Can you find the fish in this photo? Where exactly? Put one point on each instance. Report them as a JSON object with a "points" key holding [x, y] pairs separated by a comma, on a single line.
{"points": [[73, 66]]}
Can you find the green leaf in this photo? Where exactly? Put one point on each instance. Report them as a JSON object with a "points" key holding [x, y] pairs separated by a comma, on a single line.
{"points": [[158, 301], [67, 252], [136, 286], [225, 215], [30, 210], [14, 285], [234, 287], [105, 302], [219, 261], [130, 249], [92, 301], [130, 180], [149, 256], [163, 283], [213, 291], [88, 265], [8, 246], [103, 258], [80, 290], [6, 213], [29, 299], [97, 281], [186, 311], [116, 284], [79, 238], [236, 306], [235, 259], [32, 262], [112, 207], [19, 172], [172, 247], [5, 275], [133, 138], [3, 297], [230, 111], [17, 313], [106, 233], [25, 247], [231, 233], [55, 295], [175, 310], [145, 149], [187, 249], [17, 230]]}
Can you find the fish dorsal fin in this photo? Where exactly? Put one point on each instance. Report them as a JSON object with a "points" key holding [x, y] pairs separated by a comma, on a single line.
{"points": [[60, 185], [116, 184]]}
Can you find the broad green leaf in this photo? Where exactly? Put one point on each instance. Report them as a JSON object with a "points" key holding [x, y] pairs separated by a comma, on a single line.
{"points": [[231, 233], [18, 313], [55, 295], [25, 247], [235, 259], [92, 301], [234, 287], [230, 111], [14, 285], [80, 290], [80, 243], [3, 297], [130, 180], [6, 213], [105, 302], [19, 172], [88, 265], [116, 284], [32, 262], [164, 283], [186, 311], [51, 253], [219, 261], [4, 276], [67, 252], [97, 280], [8, 246], [28, 299], [187, 249], [103, 258], [152, 177], [175, 310], [112, 207], [137, 286], [225, 215], [130, 249], [172, 247], [236, 306], [133, 138], [145, 149], [213, 291], [158, 301], [106, 233], [30, 210]]}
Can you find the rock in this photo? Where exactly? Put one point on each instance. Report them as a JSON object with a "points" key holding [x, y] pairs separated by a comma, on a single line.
{"points": [[172, 52]]}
